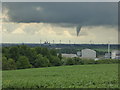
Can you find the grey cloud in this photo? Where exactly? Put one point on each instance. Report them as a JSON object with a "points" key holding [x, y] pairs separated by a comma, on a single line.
{"points": [[87, 13]]}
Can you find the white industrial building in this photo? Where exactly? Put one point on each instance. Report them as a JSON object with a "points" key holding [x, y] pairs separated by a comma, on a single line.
{"points": [[88, 53], [69, 55], [107, 55], [79, 53], [115, 54]]}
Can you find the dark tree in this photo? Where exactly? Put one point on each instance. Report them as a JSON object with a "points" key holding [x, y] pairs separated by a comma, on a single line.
{"points": [[60, 56], [14, 53], [11, 64], [4, 63], [53, 52], [41, 61], [23, 63], [55, 61]]}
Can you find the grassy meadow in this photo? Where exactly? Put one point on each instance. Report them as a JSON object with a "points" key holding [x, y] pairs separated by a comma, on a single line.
{"points": [[75, 76]]}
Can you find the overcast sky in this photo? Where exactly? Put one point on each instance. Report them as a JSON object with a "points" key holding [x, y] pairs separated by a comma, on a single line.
{"points": [[35, 21], [59, 0]]}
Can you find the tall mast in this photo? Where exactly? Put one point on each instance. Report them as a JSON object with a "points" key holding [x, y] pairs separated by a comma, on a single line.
{"points": [[108, 47], [53, 41], [60, 41]]}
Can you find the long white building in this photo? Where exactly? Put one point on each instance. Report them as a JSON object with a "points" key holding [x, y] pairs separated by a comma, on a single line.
{"points": [[69, 55]]}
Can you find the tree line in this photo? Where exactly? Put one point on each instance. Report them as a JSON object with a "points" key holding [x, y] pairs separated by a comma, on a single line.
{"points": [[23, 56]]}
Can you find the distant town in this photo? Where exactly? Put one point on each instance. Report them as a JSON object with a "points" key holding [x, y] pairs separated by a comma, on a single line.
{"points": [[89, 51]]}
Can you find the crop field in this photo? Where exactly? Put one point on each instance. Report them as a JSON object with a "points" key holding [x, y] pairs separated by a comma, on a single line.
{"points": [[76, 76]]}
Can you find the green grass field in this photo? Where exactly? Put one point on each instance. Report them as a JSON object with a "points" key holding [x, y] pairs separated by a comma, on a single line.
{"points": [[76, 76]]}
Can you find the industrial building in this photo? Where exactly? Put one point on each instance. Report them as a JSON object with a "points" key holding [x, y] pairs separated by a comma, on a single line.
{"points": [[107, 55], [69, 55], [91, 54], [79, 54], [115, 54], [88, 53]]}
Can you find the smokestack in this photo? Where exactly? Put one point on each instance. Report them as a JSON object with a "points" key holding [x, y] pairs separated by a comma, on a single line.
{"points": [[60, 41], [40, 41], [69, 41], [53, 41], [108, 47]]}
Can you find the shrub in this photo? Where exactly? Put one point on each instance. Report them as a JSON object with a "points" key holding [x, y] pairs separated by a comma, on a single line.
{"points": [[78, 61], [70, 61], [88, 61]]}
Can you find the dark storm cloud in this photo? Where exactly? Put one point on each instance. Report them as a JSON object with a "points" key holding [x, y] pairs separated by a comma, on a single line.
{"points": [[69, 13]]}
